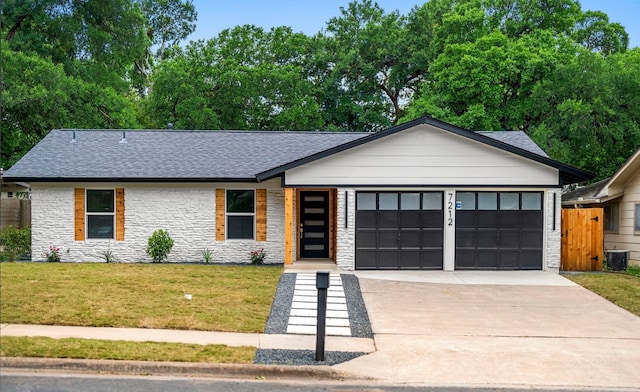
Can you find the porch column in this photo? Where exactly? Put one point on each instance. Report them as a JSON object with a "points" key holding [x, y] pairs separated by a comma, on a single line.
{"points": [[288, 225]]}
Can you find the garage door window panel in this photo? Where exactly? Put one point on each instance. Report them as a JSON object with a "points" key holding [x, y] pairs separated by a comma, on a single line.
{"points": [[388, 202], [366, 202], [531, 201], [509, 201]]}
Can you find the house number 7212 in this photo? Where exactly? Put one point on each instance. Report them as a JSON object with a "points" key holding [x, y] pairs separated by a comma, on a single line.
{"points": [[450, 209]]}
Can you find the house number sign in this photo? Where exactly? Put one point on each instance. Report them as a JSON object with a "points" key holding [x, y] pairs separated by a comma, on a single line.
{"points": [[450, 208]]}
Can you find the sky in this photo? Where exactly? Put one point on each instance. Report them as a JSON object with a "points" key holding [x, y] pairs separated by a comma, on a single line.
{"points": [[311, 16]]}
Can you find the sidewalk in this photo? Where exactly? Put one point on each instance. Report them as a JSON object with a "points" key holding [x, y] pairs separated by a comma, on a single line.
{"points": [[258, 340]]}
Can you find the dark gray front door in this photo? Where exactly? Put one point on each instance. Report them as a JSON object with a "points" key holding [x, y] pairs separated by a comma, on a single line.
{"points": [[399, 230], [314, 224], [499, 230]]}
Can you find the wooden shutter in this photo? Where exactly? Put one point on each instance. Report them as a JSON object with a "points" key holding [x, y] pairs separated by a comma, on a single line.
{"points": [[119, 214], [220, 212], [79, 214], [261, 214]]}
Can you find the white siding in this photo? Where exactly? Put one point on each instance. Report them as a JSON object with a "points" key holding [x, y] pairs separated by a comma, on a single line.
{"points": [[627, 238], [187, 211], [423, 155]]}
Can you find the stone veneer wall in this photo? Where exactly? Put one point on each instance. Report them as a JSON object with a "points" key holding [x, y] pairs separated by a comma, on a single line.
{"points": [[346, 244], [186, 211], [553, 236]]}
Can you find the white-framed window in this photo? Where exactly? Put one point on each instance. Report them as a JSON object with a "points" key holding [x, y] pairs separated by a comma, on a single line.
{"points": [[241, 213], [612, 217], [100, 213], [636, 218]]}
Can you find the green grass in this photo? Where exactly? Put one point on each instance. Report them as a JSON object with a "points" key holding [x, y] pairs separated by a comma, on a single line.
{"points": [[621, 289], [225, 298], [41, 347]]}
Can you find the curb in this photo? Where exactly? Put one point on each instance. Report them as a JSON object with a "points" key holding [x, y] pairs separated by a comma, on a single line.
{"points": [[148, 368]]}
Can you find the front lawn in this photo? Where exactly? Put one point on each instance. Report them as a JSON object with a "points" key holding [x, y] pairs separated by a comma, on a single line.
{"points": [[41, 347], [224, 298], [621, 289]]}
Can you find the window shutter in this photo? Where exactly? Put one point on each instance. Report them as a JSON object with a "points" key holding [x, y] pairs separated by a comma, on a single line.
{"points": [[261, 214], [220, 211], [119, 214], [79, 214]]}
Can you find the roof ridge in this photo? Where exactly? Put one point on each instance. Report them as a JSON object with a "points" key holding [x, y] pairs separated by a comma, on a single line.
{"points": [[210, 131]]}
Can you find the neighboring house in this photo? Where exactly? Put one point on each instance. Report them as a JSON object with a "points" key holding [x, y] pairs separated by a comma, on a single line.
{"points": [[15, 205], [619, 195], [421, 195]]}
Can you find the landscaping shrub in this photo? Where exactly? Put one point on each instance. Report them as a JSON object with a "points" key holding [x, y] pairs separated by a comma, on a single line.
{"points": [[159, 245], [15, 243]]}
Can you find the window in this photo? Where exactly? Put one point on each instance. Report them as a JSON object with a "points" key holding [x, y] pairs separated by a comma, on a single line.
{"points": [[611, 217], [240, 214], [100, 213], [636, 218]]}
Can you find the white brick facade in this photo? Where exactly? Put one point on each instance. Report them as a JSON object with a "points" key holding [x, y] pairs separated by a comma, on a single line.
{"points": [[187, 212], [346, 241], [553, 234]]}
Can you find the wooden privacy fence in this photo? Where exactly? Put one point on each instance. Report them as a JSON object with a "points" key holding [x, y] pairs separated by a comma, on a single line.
{"points": [[582, 247], [15, 212]]}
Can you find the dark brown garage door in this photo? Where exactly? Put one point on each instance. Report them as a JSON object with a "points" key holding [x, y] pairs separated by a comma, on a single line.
{"points": [[399, 230], [499, 230]]}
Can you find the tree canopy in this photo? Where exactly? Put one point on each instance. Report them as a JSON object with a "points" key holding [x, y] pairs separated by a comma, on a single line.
{"points": [[562, 74]]}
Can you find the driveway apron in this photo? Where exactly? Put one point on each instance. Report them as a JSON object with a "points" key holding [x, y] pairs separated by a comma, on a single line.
{"points": [[498, 334]]}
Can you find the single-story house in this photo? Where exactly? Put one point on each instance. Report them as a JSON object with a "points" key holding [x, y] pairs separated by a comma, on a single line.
{"points": [[421, 195], [619, 196]]}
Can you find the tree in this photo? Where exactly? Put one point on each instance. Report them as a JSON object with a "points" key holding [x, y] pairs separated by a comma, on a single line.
{"points": [[38, 96], [95, 40], [246, 78], [586, 111]]}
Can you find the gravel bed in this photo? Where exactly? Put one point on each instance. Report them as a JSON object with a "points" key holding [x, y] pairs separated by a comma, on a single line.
{"points": [[302, 357], [358, 316], [281, 306]]}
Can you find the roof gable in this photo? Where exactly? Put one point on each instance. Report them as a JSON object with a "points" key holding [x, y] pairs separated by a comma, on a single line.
{"points": [[423, 155], [568, 174]]}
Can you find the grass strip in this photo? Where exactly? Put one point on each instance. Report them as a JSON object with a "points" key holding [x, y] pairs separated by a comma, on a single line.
{"points": [[224, 298], [621, 289], [42, 347]]}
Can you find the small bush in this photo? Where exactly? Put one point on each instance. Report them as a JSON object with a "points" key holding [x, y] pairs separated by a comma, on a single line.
{"points": [[206, 254], [633, 270], [15, 242], [159, 245], [257, 256], [53, 255]]}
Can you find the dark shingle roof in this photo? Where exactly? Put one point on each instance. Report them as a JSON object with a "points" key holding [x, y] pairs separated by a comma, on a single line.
{"points": [[515, 138], [161, 155], [166, 155], [587, 192]]}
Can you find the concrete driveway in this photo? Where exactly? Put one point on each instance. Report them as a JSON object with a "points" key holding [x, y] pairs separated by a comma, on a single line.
{"points": [[471, 328]]}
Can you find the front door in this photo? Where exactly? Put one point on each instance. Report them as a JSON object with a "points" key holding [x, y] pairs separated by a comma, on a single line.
{"points": [[314, 224]]}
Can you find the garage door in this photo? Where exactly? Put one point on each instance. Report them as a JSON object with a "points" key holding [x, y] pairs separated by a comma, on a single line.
{"points": [[499, 230], [399, 230]]}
